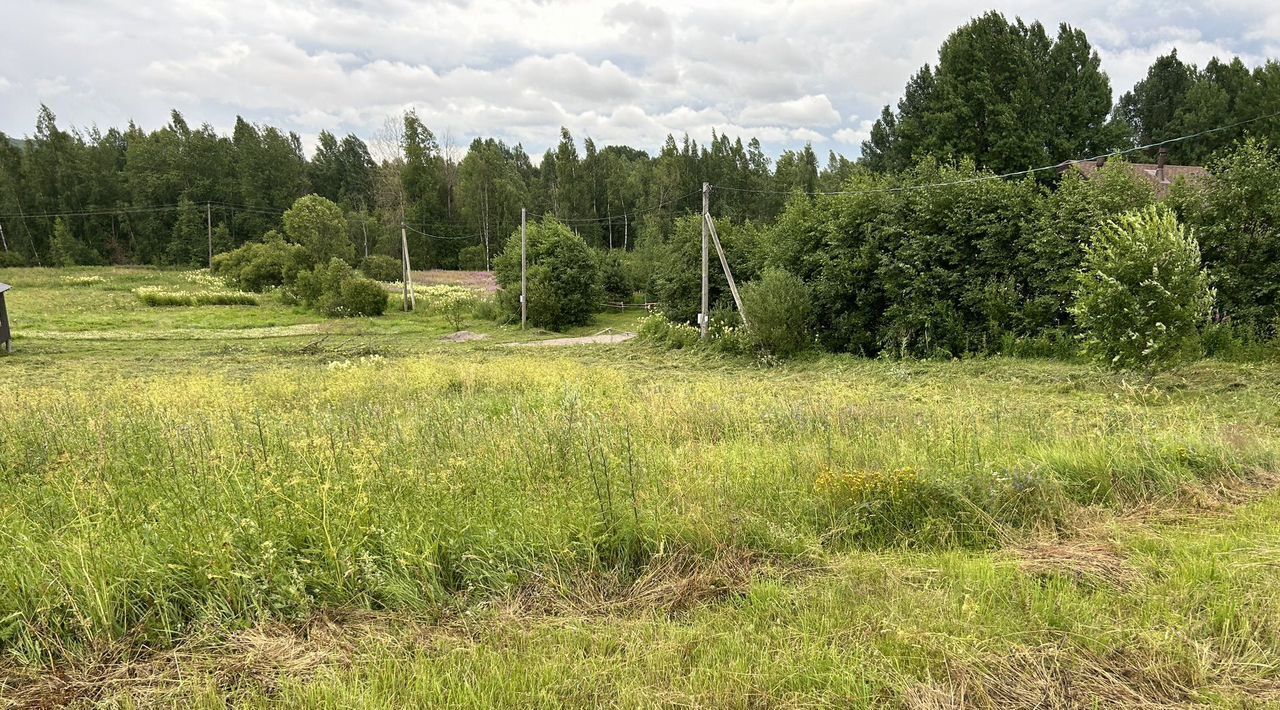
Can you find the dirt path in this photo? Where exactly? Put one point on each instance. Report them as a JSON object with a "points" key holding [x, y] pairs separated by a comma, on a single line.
{"points": [[597, 339]]}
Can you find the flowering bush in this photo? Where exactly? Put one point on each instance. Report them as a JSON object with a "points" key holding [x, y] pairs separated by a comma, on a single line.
{"points": [[452, 302], [657, 329], [1141, 295]]}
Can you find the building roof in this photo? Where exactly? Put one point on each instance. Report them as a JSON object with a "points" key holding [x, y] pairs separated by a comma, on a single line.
{"points": [[4, 287], [1162, 177]]}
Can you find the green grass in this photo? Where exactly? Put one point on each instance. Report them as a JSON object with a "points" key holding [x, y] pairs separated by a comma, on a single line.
{"points": [[357, 513]]}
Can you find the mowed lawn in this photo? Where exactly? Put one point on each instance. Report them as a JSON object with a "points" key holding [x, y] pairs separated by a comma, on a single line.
{"points": [[358, 513]]}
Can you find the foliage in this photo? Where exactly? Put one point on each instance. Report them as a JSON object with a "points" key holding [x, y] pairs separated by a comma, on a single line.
{"points": [[780, 312], [455, 303], [913, 271], [12, 259], [1003, 94], [382, 268], [1236, 215], [563, 276], [320, 227], [335, 289], [66, 250], [615, 277], [657, 329], [471, 258], [1142, 293], [159, 296], [1064, 223], [261, 266], [676, 266], [1177, 99]]}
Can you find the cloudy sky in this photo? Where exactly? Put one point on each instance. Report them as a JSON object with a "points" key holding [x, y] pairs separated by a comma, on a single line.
{"points": [[629, 72]]}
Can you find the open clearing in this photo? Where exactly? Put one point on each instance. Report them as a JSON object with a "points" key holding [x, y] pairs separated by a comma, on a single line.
{"points": [[359, 514]]}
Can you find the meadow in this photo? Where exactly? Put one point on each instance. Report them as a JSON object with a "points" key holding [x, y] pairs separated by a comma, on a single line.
{"points": [[211, 504]]}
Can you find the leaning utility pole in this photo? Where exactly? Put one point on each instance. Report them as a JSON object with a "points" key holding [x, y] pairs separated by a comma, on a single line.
{"points": [[704, 317], [407, 294], [524, 265], [4, 241], [208, 223], [709, 224]]}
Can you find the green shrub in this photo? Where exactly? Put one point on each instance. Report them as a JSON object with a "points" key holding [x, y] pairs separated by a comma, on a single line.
{"points": [[382, 268], [1236, 215], [261, 266], [780, 311], [335, 289], [319, 225], [362, 297], [12, 259], [1141, 294], [485, 308], [564, 277], [659, 330], [472, 259]]}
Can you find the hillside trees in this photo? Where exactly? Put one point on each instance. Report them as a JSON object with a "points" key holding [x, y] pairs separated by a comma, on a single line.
{"points": [[1004, 94], [1176, 99]]}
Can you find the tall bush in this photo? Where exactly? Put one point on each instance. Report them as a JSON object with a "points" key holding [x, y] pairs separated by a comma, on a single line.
{"points": [[335, 289], [780, 311], [259, 266], [1141, 294], [564, 276], [319, 225]]}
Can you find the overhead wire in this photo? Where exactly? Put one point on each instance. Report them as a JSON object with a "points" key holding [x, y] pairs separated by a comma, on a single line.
{"points": [[1016, 173]]}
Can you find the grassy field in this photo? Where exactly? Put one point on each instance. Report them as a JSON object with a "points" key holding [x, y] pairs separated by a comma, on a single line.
{"points": [[250, 504]]}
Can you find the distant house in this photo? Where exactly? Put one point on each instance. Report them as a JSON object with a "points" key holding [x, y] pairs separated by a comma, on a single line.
{"points": [[1161, 175]]}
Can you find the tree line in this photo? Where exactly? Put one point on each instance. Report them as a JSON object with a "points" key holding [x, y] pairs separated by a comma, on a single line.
{"points": [[1003, 95]]}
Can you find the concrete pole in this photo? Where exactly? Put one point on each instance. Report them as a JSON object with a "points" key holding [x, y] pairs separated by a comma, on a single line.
{"points": [[524, 267], [704, 317]]}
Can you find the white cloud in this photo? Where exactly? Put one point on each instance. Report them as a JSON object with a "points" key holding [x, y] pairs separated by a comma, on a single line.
{"points": [[630, 71], [804, 111]]}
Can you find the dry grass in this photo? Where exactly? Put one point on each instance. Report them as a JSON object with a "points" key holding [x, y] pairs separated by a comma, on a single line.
{"points": [[1084, 561], [1051, 677], [671, 584], [258, 658]]}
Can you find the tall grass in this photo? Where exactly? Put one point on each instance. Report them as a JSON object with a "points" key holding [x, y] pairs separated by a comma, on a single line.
{"points": [[158, 297], [139, 508]]}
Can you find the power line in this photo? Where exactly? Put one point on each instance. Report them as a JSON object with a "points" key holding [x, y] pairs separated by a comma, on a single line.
{"points": [[103, 212], [439, 236], [1016, 173], [614, 218]]}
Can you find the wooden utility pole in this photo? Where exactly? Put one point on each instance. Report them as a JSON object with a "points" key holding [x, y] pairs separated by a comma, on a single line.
{"points": [[704, 316], [364, 227], [409, 301], [524, 266], [709, 224], [4, 241], [208, 223]]}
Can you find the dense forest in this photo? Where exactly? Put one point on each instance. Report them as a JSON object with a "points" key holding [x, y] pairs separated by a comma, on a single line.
{"points": [[1003, 95]]}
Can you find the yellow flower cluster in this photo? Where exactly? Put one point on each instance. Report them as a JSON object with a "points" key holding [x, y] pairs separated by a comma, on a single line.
{"points": [[862, 484]]}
